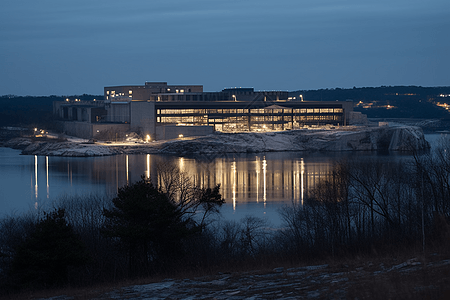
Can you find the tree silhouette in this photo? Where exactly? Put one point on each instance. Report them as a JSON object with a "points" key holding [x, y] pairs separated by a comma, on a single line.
{"points": [[148, 225], [44, 258]]}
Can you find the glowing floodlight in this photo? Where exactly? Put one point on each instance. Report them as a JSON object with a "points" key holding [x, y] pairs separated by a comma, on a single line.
{"points": [[180, 135]]}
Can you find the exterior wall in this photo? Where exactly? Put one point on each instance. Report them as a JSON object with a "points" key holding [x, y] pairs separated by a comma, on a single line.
{"points": [[122, 93], [86, 111], [118, 112], [98, 128], [88, 130], [78, 129], [247, 95], [357, 118], [169, 132], [143, 117], [144, 92], [162, 87], [348, 108], [98, 114]]}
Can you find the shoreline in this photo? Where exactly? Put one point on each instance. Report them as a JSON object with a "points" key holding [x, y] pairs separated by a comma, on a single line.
{"points": [[351, 138]]}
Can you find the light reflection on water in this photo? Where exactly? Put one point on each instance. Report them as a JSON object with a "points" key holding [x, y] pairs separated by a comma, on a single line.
{"points": [[252, 184]]}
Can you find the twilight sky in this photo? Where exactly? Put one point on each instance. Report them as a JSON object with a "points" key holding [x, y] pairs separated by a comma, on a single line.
{"points": [[56, 47]]}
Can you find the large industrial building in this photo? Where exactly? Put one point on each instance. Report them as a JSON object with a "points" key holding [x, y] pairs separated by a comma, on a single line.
{"points": [[160, 111]]}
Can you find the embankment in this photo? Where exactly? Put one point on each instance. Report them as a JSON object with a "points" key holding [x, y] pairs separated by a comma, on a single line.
{"points": [[394, 138]]}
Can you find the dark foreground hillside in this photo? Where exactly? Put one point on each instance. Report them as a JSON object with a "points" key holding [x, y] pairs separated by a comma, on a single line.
{"points": [[396, 276]]}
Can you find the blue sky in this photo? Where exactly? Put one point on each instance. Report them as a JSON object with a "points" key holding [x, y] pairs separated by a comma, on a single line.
{"points": [[57, 47]]}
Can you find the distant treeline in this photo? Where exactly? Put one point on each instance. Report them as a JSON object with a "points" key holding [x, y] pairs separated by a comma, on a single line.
{"points": [[32, 110], [407, 101]]}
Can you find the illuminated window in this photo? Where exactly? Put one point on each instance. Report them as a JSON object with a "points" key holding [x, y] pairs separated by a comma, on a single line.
{"points": [[130, 92], [107, 92], [187, 119]]}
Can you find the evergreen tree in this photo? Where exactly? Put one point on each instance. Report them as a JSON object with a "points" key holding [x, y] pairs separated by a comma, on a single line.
{"points": [[148, 225], [44, 258]]}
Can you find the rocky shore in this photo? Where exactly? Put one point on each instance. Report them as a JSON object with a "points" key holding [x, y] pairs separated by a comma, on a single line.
{"points": [[352, 138]]}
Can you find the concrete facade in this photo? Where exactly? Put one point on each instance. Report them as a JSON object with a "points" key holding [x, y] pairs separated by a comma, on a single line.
{"points": [[82, 111], [118, 112], [169, 132], [143, 119], [144, 92], [91, 130]]}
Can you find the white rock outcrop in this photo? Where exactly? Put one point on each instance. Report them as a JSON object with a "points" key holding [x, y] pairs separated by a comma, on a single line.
{"points": [[399, 138], [385, 138]]}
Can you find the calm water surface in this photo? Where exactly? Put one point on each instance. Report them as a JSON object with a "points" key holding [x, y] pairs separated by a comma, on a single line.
{"points": [[256, 184]]}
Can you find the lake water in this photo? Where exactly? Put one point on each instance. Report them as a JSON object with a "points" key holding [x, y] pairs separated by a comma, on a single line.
{"points": [[252, 184]]}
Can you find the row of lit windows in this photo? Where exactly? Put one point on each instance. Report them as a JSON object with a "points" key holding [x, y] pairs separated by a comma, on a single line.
{"points": [[245, 119], [199, 120], [113, 93], [295, 118], [225, 127], [246, 111]]}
